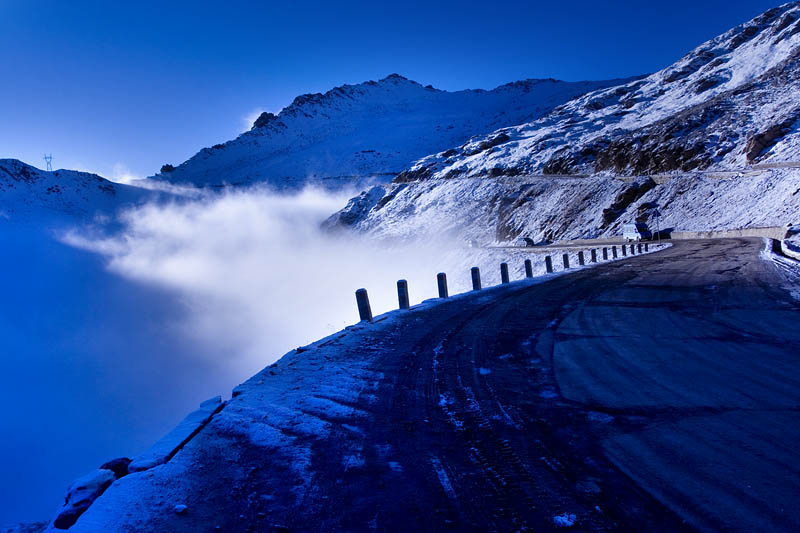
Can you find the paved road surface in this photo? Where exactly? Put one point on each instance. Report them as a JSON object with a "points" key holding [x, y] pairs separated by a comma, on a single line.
{"points": [[656, 394]]}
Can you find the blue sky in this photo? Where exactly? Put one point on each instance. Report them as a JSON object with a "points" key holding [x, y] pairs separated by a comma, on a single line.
{"points": [[121, 88]]}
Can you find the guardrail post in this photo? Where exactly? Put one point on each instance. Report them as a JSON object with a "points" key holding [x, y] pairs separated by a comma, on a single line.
{"points": [[441, 281], [566, 261], [504, 273], [624, 251], [605, 254], [633, 249], [594, 255], [614, 251], [548, 264], [364, 310], [639, 246], [581, 260], [476, 279], [646, 247], [528, 268], [402, 293]]}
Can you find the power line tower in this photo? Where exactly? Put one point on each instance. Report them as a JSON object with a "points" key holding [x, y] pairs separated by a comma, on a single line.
{"points": [[48, 158]]}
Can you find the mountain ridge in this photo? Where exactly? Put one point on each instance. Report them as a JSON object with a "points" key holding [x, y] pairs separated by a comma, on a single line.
{"points": [[367, 132], [710, 142], [734, 66]]}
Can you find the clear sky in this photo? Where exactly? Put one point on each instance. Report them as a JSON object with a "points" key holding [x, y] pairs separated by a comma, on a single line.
{"points": [[122, 87]]}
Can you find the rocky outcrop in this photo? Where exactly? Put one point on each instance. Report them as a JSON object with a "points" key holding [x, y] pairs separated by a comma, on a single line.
{"points": [[355, 210], [624, 199], [264, 119], [760, 142], [80, 495]]}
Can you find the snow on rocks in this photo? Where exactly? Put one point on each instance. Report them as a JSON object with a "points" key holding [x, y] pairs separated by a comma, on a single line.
{"points": [[80, 496], [564, 520], [179, 509], [165, 448]]}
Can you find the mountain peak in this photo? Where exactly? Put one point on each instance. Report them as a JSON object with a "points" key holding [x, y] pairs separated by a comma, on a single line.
{"points": [[368, 131]]}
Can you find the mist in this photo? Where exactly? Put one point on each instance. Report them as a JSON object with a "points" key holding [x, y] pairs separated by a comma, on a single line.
{"points": [[256, 274]]}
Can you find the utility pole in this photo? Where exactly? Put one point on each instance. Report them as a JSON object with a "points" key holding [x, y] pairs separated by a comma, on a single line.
{"points": [[48, 158]]}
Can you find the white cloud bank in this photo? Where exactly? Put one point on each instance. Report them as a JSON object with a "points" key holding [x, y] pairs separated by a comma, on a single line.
{"points": [[257, 275]]}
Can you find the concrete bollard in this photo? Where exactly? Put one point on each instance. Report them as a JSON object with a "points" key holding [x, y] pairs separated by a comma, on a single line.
{"points": [[402, 293], [528, 268], [476, 279], [624, 250], [364, 310], [605, 254], [566, 261], [504, 273], [646, 247], [548, 264], [639, 246], [581, 260], [594, 255], [614, 251], [441, 280]]}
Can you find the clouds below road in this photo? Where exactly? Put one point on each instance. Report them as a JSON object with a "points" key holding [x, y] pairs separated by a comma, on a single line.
{"points": [[254, 271]]}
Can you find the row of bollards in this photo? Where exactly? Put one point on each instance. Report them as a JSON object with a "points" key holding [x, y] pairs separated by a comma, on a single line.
{"points": [[365, 311]]}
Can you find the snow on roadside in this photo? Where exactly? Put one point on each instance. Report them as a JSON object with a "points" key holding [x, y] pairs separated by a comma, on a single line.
{"points": [[788, 267]]}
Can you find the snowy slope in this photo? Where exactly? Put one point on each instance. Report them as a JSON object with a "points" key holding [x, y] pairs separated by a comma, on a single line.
{"points": [[27, 193], [494, 210], [733, 101], [371, 130], [717, 131]]}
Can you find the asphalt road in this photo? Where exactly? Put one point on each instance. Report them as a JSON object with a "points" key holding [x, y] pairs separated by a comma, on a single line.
{"points": [[659, 393]]}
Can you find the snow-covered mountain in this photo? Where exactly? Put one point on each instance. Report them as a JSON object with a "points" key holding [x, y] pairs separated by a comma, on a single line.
{"points": [[733, 101], [717, 132], [356, 134], [29, 193]]}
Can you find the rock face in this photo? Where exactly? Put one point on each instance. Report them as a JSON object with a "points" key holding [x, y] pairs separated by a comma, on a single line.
{"points": [[367, 133], [118, 466], [355, 210], [80, 496], [732, 101]]}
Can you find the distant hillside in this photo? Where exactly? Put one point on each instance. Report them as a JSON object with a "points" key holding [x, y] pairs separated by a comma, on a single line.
{"points": [[731, 102], [27, 192], [356, 134], [714, 140]]}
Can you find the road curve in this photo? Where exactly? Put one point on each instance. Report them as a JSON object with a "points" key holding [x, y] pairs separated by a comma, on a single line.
{"points": [[660, 393]]}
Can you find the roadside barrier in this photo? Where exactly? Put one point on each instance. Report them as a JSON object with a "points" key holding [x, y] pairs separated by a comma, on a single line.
{"points": [[364, 310], [404, 302], [402, 294], [476, 278], [441, 281]]}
